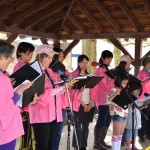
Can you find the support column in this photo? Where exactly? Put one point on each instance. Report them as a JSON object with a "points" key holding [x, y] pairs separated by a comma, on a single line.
{"points": [[117, 55], [89, 49], [56, 44], [138, 46]]}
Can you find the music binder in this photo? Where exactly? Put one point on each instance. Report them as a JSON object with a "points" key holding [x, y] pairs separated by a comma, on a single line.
{"points": [[123, 100], [112, 74], [85, 117], [37, 87], [24, 73], [36, 66], [88, 82], [56, 66]]}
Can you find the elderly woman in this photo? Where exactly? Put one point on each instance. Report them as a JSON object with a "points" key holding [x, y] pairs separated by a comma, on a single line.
{"points": [[47, 112], [10, 119]]}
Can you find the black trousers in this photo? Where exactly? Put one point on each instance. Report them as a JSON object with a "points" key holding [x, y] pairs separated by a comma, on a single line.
{"points": [[145, 123], [44, 135], [82, 130]]}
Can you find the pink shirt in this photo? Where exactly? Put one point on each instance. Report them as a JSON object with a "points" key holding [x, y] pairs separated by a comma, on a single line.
{"points": [[46, 110], [101, 90], [143, 74], [10, 119]]}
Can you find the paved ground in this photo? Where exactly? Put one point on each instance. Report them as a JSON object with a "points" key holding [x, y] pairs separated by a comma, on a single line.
{"points": [[63, 143]]}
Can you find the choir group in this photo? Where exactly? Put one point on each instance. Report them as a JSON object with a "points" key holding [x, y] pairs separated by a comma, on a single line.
{"points": [[39, 125]]}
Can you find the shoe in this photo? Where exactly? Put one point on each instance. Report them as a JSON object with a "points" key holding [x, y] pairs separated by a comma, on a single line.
{"points": [[135, 148], [83, 148], [141, 139], [122, 143]]}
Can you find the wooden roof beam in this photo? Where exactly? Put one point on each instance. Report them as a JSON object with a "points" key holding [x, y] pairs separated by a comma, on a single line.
{"points": [[22, 16], [87, 13], [147, 6], [77, 22], [70, 47], [106, 35], [14, 5], [117, 43], [67, 29], [99, 5], [44, 41], [47, 23], [129, 15], [66, 16], [45, 14], [11, 38], [28, 32]]}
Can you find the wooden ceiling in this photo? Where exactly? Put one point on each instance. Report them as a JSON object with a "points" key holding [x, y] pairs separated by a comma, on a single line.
{"points": [[75, 19]]}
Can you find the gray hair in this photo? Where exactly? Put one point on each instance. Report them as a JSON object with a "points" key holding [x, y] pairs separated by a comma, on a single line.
{"points": [[6, 49]]}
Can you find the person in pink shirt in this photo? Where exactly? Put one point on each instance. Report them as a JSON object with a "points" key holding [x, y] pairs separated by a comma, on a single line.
{"points": [[81, 99], [60, 125], [142, 75], [24, 55], [45, 114], [98, 94], [10, 119]]}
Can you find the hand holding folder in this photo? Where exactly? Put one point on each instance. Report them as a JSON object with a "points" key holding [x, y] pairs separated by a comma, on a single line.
{"points": [[87, 82], [124, 99], [24, 73]]}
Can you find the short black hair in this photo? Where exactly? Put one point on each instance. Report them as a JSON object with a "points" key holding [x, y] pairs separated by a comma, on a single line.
{"points": [[134, 86], [6, 49], [145, 61], [105, 54], [24, 47], [120, 78]]}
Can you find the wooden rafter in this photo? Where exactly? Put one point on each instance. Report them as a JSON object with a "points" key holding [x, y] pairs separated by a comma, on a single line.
{"points": [[137, 63], [67, 29], [66, 16], [8, 10], [56, 43], [47, 23], [99, 5], [28, 32], [11, 38], [77, 22], [44, 41], [129, 15], [46, 13], [147, 6], [70, 47], [88, 14], [22, 16], [106, 35], [119, 46]]}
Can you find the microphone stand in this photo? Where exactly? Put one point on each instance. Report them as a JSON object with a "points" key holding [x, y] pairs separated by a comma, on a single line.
{"points": [[133, 108], [69, 114]]}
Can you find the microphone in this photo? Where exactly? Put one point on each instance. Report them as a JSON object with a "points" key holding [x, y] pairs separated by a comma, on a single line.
{"points": [[94, 63], [62, 74], [146, 94]]}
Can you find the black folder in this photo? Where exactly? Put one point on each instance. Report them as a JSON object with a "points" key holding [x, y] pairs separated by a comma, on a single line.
{"points": [[56, 66], [24, 73], [89, 82], [37, 87], [112, 74], [85, 117], [123, 100]]}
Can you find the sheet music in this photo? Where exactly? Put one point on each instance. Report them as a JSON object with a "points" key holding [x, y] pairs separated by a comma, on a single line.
{"points": [[35, 65]]}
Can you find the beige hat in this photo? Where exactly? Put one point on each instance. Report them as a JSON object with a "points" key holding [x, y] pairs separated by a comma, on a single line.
{"points": [[126, 58], [47, 49]]}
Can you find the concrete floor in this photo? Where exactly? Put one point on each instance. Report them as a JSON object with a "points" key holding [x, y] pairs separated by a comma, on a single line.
{"points": [[63, 143]]}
